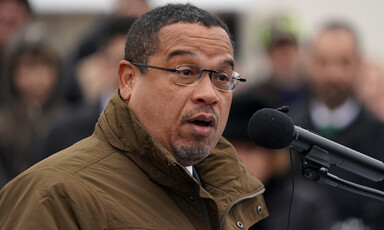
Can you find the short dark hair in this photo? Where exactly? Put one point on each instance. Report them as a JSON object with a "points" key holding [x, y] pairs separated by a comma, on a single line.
{"points": [[142, 39]]}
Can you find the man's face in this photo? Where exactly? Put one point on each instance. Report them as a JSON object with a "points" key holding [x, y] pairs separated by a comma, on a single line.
{"points": [[34, 80], [187, 120], [13, 16], [285, 63], [335, 64]]}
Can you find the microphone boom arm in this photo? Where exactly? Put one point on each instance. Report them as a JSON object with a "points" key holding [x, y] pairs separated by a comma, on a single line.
{"points": [[273, 129], [322, 176], [315, 165], [341, 156]]}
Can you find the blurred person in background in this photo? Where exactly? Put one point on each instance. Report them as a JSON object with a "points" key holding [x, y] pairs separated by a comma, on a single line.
{"points": [[14, 15], [133, 8], [284, 84], [32, 99], [370, 88], [98, 81], [96, 73], [310, 208], [333, 111], [92, 41], [3, 176]]}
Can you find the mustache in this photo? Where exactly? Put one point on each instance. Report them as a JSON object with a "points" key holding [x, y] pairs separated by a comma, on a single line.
{"points": [[200, 109]]}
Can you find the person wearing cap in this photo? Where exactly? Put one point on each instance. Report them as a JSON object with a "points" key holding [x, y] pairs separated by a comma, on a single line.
{"points": [[284, 82]]}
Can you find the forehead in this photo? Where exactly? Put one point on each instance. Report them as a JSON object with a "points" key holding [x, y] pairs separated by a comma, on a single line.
{"points": [[185, 39], [335, 41]]}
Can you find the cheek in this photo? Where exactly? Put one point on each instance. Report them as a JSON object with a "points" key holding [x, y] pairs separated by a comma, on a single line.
{"points": [[156, 107], [256, 161], [21, 83], [224, 111], [37, 79]]}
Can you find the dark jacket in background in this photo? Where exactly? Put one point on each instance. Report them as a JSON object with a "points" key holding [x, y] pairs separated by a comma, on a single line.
{"points": [[364, 134], [65, 132], [311, 209]]}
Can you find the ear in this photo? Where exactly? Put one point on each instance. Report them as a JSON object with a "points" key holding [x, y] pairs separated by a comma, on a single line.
{"points": [[127, 73]]}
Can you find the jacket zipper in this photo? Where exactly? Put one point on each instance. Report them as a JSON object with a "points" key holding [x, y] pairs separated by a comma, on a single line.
{"points": [[236, 202]]}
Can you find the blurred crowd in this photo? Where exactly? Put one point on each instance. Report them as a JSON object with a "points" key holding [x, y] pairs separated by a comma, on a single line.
{"points": [[332, 90], [48, 102]]}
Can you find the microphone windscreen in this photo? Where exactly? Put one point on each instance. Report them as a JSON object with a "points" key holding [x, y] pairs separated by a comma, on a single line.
{"points": [[271, 129]]}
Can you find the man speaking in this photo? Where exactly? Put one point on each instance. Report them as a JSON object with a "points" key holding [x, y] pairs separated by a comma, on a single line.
{"points": [[156, 159]]}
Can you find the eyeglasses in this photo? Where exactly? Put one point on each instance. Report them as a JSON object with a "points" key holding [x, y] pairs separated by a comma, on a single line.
{"points": [[224, 79]]}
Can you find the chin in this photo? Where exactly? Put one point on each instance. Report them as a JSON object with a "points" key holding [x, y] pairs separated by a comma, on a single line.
{"points": [[191, 153]]}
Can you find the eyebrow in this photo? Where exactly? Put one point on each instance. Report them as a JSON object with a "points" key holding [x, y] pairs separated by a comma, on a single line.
{"points": [[180, 53], [175, 53], [229, 62]]}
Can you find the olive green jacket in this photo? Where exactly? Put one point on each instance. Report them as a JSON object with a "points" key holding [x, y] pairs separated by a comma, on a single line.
{"points": [[121, 177]]}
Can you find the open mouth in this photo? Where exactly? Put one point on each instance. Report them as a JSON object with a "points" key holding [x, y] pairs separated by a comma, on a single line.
{"points": [[202, 123]]}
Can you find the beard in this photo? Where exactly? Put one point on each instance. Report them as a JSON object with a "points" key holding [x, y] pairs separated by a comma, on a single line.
{"points": [[191, 154], [193, 151], [334, 97]]}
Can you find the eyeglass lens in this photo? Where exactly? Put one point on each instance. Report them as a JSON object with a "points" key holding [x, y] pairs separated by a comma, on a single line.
{"points": [[192, 74]]}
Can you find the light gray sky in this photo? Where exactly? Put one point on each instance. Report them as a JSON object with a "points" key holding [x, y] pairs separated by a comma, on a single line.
{"points": [[64, 6], [366, 15]]}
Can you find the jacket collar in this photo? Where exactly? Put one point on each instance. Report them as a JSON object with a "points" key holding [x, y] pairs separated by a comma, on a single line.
{"points": [[124, 132], [219, 172]]}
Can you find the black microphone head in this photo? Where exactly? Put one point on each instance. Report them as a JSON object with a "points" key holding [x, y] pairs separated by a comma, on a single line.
{"points": [[271, 129]]}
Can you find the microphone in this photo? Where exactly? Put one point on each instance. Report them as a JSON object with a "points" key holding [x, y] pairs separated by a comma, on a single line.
{"points": [[273, 129]]}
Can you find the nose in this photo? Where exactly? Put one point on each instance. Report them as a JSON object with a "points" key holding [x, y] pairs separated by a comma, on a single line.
{"points": [[334, 74], [205, 92]]}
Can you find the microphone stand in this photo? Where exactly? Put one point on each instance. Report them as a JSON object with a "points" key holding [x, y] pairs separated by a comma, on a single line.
{"points": [[315, 165]]}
